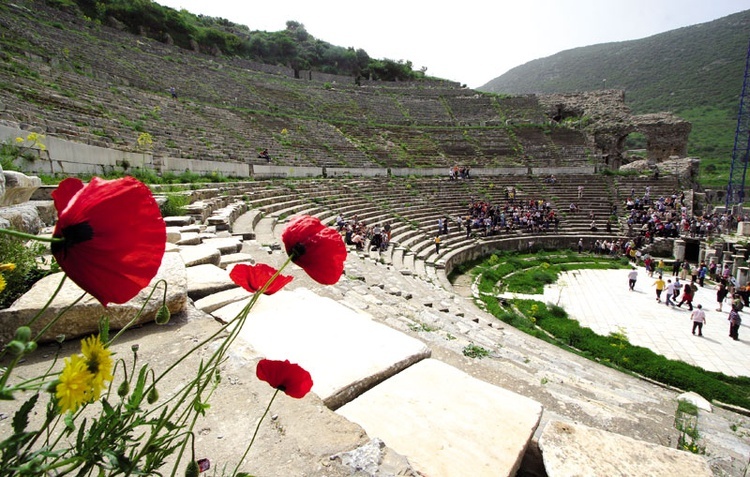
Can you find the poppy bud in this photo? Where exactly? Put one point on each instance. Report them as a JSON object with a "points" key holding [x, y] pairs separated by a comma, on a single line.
{"points": [[192, 469], [163, 315], [23, 334], [123, 389], [16, 347], [152, 396]]}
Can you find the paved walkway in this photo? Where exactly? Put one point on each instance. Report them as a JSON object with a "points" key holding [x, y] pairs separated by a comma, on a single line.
{"points": [[601, 300]]}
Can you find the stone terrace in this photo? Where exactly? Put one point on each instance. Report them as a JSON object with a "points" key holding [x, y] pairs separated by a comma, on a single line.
{"points": [[93, 84], [412, 207]]}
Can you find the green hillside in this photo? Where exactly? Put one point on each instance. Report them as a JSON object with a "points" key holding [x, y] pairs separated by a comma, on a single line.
{"points": [[695, 72]]}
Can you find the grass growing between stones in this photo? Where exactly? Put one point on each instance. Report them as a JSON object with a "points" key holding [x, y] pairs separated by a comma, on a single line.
{"points": [[686, 422], [551, 323]]}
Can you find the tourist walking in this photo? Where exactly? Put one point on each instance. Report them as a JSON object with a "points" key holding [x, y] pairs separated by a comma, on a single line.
{"points": [[734, 324], [721, 294], [660, 285], [670, 293], [687, 296], [632, 277], [699, 319]]}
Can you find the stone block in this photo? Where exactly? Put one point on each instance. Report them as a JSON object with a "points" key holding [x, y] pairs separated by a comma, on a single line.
{"points": [[215, 301], [206, 279], [189, 238], [224, 245], [83, 318], [173, 234], [575, 449], [178, 220], [18, 188], [235, 258], [326, 338], [199, 254], [447, 422]]}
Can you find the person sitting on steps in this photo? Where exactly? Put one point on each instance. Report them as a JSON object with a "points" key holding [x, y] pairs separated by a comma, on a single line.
{"points": [[264, 155]]}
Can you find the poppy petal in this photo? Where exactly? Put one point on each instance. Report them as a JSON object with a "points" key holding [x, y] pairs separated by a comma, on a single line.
{"points": [[65, 191], [115, 238], [288, 377], [318, 249], [253, 277]]}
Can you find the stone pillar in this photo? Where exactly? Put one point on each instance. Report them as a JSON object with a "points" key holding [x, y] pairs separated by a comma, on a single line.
{"points": [[679, 249], [738, 259], [727, 257], [742, 276], [702, 254]]}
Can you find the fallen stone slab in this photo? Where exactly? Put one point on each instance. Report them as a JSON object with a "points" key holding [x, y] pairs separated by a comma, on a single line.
{"points": [[18, 188], [173, 234], [83, 318], [189, 238], [199, 254], [577, 450], [447, 422], [224, 245], [178, 220], [345, 351], [221, 299], [205, 279], [235, 258]]}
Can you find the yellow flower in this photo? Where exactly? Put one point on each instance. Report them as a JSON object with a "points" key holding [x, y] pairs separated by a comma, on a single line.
{"points": [[74, 388], [7, 267], [99, 363]]}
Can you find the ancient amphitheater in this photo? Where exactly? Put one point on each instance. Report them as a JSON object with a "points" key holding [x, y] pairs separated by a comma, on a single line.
{"points": [[394, 394]]}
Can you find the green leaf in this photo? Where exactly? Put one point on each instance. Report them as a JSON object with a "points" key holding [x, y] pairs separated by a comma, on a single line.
{"points": [[201, 407], [21, 417], [104, 328]]}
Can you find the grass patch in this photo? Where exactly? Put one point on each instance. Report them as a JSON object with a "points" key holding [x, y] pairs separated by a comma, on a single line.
{"points": [[28, 268], [551, 323]]}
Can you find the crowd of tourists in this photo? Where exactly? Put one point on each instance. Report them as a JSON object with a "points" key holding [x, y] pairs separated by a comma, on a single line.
{"points": [[531, 215], [360, 234]]}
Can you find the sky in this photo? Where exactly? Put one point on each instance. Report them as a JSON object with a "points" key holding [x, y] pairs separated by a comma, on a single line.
{"points": [[469, 41]]}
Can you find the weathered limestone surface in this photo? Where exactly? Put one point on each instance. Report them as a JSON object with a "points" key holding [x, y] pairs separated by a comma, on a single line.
{"points": [[18, 188], [206, 279], [83, 318], [200, 254], [326, 338], [575, 450], [22, 217], [448, 422]]}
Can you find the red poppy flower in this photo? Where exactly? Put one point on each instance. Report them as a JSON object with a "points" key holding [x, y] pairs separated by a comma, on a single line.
{"points": [[316, 248], [113, 236], [288, 377], [253, 277]]}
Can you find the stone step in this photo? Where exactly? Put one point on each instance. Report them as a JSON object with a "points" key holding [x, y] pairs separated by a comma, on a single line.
{"points": [[327, 342], [575, 449], [427, 411]]}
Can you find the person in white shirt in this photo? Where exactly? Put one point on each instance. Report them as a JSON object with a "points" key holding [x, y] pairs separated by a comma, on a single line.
{"points": [[699, 319], [632, 277]]}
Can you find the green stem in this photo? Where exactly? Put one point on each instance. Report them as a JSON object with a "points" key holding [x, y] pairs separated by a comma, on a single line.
{"points": [[255, 434], [24, 235]]}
